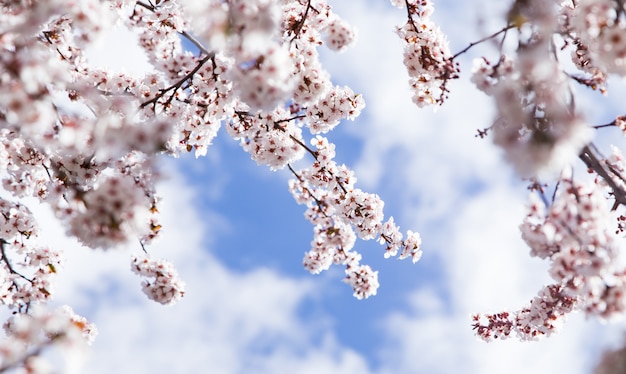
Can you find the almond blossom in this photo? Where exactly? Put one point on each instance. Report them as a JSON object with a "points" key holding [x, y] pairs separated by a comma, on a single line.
{"points": [[427, 56], [85, 141]]}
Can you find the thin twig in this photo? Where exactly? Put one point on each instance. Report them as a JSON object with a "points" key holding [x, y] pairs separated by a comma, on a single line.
{"points": [[5, 259], [319, 203], [503, 30], [610, 124], [409, 14], [176, 85]]}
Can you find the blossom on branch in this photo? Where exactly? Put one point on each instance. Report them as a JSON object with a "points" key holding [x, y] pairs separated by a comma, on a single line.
{"points": [[28, 335], [586, 262], [426, 55], [85, 141]]}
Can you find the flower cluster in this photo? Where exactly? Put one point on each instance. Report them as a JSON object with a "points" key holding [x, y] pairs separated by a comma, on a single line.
{"points": [[535, 125], [542, 317], [339, 103], [600, 35], [26, 268], [426, 54], [586, 263], [338, 35], [271, 139], [391, 237], [28, 335], [271, 129], [164, 286], [363, 280], [112, 213], [264, 80], [340, 212]]}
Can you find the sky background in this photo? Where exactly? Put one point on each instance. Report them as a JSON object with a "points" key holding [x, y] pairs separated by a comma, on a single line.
{"points": [[237, 239]]}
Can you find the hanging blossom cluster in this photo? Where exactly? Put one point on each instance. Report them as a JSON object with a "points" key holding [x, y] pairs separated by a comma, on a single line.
{"points": [[164, 287], [427, 56], [83, 140], [538, 129], [27, 268], [340, 212]]}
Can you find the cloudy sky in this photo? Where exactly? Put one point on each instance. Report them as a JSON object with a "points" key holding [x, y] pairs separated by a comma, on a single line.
{"points": [[238, 238]]}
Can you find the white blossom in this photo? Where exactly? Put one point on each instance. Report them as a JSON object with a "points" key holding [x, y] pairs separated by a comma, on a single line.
{"points": [[163, 284]]}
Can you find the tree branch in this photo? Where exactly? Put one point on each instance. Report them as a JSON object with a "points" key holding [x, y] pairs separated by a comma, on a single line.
{"points": [[503, 30], [176, 85], [592, 158]]}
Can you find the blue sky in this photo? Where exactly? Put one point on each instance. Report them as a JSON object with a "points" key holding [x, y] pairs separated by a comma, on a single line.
{"points": [[238, 238]]}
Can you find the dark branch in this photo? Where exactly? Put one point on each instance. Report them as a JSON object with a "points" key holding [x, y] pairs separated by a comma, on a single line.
{"points": [[592, 158], [6, 261], [503, 30]]}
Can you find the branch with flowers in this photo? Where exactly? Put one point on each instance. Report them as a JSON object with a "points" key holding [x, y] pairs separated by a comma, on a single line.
{"points": [[542, 134], [84, 140]]}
